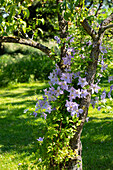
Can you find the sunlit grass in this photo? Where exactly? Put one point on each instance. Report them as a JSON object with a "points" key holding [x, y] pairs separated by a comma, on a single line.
{"points": [[97, 136], [19, 131], [97, 140]]}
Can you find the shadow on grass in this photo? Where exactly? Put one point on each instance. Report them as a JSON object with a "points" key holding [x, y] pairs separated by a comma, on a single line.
{"points": [[18, 94], [18, 132], [32, 89], [97, 140]]}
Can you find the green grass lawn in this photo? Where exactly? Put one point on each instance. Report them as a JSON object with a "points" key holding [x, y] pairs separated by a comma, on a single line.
{"points": [[97, 136], [97, 140], [19, 131]]}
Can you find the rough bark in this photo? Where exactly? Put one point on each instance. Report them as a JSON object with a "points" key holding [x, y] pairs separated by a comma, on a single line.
{"points": [[89, 29], [107, 20]]}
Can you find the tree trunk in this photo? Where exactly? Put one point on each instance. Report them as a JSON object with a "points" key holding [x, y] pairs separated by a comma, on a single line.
{"points": [[75, 142], [63, 27]]}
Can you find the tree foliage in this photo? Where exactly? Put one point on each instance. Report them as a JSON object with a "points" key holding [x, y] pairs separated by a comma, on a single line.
{"points": [[81, 60], [29, 19]]}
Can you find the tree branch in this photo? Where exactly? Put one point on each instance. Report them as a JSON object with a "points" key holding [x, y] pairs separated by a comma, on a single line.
{"points": [[89, 29], [14, 39], [106, 27], [107, 20]]}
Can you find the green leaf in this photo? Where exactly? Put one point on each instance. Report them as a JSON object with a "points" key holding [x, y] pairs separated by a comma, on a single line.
{"points": [[39, 29], [4, 34], [24, 26], [2, 1], [1, 19], [12, 10], [26, 13], [43, 21]]}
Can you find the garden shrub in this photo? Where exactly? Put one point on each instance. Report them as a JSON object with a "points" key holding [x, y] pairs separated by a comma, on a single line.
{"points": [[24, 66]]}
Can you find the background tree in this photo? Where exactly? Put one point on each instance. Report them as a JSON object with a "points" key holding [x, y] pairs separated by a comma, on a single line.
{"points": [[86, 20]]}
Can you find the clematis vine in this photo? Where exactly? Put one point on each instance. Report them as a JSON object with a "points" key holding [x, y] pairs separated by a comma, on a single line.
{"points": [[62, 82]]}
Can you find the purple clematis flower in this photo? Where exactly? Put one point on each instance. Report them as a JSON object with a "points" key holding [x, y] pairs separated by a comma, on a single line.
{"points": [[55, 80], [82, 82], [94, 88], [40, 139], [72, 90], [51, 76], [103, 96], [67, 77], [110, 78], [99, 108], [49, 109], [59, 91], [47, 92], [25, 111], [74, 93], [77, 112], [35, 114], [87, 119], [45, 115], [41, 103], [57, 71], [84, 93], [58, 39], [89, 43], [73, 113], [111, 87], [103, 49], [67, 60], [80, 111], [70, 38], [52, 90], [93, 103], [77, 74], [77, 93], [45, 98], [109, 94], [52, 98], [63, 85], [71, 50], [104, 66], [71, 96], [71, 106]]}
